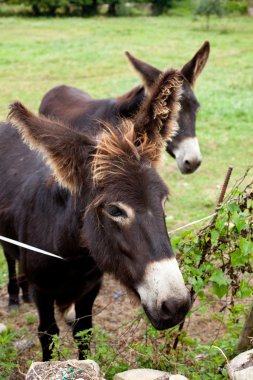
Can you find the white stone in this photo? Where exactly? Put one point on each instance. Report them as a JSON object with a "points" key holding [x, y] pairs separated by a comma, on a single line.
{"points": [[147, 374], [2, 328], [22, 345], [241, 367], [85, 370], [244, 374]]}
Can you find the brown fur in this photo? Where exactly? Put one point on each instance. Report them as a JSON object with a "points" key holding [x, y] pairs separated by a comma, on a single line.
{"points": [[115, 222], [145, 71], [194, 68], [67, 171]]}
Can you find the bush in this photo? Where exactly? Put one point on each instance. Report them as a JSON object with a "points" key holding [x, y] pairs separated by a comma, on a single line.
{"points": [[208, 8], [237, 6]]}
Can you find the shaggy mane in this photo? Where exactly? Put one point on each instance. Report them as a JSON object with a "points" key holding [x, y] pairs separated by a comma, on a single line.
{"points": [[144, 136], [119, 145]]}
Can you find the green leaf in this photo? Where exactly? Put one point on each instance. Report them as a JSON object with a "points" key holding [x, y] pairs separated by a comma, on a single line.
{"points": [[239, 221], [233, 207], [246, 246], [238, 259], [214, 237], [219, 278], [245, 290], [219, 290]]}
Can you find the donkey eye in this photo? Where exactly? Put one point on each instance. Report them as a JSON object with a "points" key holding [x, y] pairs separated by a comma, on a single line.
{"points": [[115, 211]]}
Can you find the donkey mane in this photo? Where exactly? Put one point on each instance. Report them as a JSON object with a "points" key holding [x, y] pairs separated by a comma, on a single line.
{"points": [[132, 140], [118, 145]]}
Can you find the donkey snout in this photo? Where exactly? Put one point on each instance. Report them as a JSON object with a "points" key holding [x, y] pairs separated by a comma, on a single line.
{"points": [[170, 313], [188, 155], [173, 311], [163, 294], [191, 163]]}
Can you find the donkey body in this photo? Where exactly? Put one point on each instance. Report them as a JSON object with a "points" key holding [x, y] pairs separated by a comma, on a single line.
{"points": [[99, 205], [79, 110]]}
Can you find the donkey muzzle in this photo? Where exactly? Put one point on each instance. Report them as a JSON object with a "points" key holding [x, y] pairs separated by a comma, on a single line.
{"points": [[163, 294], [188, 155]]}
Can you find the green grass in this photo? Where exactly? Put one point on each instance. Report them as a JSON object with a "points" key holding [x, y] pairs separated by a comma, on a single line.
{"points": [[3, 270], [36, 55]]}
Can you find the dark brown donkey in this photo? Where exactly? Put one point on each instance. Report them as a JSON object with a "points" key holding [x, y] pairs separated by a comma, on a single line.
{"points": [[79, 110], [98, 204]]}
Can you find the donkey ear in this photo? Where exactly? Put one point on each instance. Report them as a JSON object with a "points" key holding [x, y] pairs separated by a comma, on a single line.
{"points": [[65, 150], [194, 67], [157, 117], [148, 73]]}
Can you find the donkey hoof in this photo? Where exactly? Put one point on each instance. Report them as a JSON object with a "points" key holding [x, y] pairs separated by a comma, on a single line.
{"points": [[13, 307]]}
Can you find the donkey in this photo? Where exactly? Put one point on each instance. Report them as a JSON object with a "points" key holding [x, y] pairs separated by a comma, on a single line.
{"points": [[98, 202], [79, 110]]}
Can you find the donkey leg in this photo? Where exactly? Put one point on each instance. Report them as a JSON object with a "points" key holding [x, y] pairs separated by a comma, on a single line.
{"points": [[23, 284], [84, 320], [13, 287], [47, 325]]}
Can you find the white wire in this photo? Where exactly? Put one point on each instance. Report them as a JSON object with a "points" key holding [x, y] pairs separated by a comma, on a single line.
{"points": [[30, 247], [190, 224]]}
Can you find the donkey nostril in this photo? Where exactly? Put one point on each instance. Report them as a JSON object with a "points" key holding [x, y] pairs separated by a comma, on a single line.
{"points": [[192, 163], [166, 309]]}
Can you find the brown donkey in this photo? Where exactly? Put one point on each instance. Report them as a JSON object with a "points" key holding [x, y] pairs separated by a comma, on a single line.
{"points": [[79, 110], [99, 204]]}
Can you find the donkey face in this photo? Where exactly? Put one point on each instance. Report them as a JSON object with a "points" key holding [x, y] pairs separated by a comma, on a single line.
{"points": [[122, 196], [131, 239], [184, 145]]}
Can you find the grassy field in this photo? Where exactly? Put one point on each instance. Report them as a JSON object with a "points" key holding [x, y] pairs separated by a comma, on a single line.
{"points": [[36, 55]]}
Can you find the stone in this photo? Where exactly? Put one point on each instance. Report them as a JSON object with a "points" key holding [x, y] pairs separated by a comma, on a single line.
{"points": [[244, 374], [147, 374], [2, 328], [72, 369], [241, 367], [70, 315], [23, 345]]}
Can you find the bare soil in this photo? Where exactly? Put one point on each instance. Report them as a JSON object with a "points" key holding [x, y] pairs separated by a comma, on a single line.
{"points": [[113, 312]]}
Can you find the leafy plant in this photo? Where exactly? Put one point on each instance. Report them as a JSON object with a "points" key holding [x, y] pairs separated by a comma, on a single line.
{"points": [[210, 7], [8, 353]]}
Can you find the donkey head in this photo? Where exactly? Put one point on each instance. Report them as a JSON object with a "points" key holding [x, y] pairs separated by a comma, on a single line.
{"points": [[184, 146], [123, 196]]}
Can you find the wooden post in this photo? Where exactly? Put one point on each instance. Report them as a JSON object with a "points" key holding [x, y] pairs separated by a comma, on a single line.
{"points": [[246, 337]]}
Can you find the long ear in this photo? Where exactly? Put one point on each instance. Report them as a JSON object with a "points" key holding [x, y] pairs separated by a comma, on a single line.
{"points": [[65, 150], [148, 73], [158, 114], [194, 67]]}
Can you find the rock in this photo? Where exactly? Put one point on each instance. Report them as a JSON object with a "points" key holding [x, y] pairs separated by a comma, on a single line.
{"points": [[72, 369], [70, 315], [2, 328], [241, 367], [244, 374], [147, 374], [23, 344]]}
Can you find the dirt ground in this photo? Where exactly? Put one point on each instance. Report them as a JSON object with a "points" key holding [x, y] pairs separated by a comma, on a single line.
{"points": [[113, 312]]}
